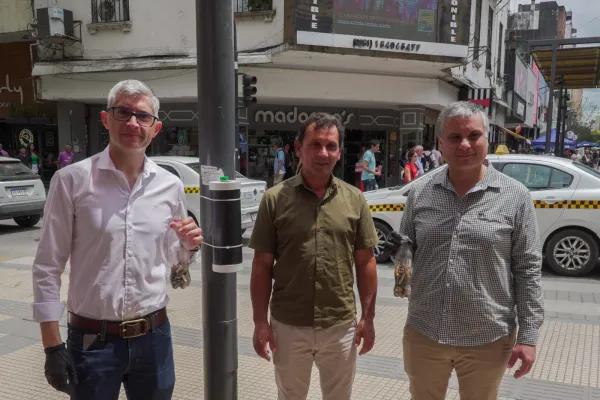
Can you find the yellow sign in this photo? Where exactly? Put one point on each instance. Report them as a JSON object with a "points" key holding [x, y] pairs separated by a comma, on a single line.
{"points": [[502, 149]]}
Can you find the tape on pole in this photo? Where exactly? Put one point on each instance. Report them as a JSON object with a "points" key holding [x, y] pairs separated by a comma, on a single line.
{"points": [[226, 206]]}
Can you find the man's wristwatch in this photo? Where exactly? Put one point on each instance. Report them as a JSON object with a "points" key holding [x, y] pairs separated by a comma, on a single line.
{"points": [[196, 249]]}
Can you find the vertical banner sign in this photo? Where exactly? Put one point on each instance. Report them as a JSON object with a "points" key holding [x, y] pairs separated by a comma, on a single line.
{"points": [[314, 16], [454, 21]]}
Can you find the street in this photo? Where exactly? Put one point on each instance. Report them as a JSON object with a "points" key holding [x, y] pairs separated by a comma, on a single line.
{"points": [[567, 364]]}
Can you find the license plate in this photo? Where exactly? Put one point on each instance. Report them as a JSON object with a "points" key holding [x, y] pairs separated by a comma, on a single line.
{"points": [[253, 216], [19, 192]]}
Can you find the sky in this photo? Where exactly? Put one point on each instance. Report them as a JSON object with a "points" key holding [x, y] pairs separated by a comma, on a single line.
{"points": [[586, 19]]}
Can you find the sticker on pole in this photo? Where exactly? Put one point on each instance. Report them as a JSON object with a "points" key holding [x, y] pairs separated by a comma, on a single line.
{"points": [[209, 174]]}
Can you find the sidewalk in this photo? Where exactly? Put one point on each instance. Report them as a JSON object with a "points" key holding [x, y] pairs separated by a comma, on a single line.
{"points": [[567, 367]]}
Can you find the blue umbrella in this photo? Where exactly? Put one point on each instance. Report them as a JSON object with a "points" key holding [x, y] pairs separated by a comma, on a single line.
{"points": [[586, 143], [542, 140]]}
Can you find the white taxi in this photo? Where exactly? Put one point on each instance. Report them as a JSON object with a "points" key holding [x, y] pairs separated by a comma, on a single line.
{"points": [[188, 170], [22, 193], [566, 196]]}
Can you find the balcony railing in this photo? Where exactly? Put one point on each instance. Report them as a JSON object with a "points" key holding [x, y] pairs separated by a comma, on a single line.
{"points": [[245, 6], [110, 11]]}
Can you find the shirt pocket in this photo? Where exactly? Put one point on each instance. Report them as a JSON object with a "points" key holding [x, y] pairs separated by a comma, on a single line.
{"points": [[489, 228]]}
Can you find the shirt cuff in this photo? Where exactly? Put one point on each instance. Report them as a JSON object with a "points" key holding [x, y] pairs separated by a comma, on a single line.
{"points": [[48, 312], [528, 336]]}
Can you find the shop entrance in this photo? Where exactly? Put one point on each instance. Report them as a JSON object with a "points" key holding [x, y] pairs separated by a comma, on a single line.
{"points": [[356, 142]]}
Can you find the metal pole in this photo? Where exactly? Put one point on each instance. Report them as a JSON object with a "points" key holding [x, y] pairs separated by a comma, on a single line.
{"points": [[564, 122], [551, 100], [238, 149], [557, 141], [216, 126]]}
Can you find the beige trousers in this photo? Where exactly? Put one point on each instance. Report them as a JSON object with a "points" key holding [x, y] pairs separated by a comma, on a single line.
{"points": [[479, 369], [277, 179], [332, 350]]}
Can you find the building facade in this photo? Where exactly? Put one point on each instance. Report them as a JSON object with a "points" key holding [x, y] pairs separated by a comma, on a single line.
{"points": [[386, 67], [25, 120]]}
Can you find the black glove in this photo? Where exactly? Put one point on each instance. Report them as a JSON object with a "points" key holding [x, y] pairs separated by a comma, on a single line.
{"points": [[395, 240], [60, 368]]}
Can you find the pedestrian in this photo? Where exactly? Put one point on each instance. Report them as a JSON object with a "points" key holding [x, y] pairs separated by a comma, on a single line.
{"points": [[476, 268], [3, 153], [369, 170], [420, 154], [24, 157], [278, 163], [290, 162], [309, 233], [410, 169], [119, 218], [66, 157]]}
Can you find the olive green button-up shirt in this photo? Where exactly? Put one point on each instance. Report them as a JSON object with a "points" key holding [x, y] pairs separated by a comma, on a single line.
{"points": [[313, 241]]}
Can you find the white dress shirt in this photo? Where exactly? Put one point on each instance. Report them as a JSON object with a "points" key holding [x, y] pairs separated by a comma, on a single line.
{"points": [[118, 240]]}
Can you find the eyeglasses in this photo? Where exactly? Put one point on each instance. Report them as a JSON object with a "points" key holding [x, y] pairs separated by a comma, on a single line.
{"points": [[124, 114]]}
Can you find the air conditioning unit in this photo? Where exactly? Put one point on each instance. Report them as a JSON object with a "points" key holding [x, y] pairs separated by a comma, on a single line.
{"points": [[111, 11], [54, 23]]}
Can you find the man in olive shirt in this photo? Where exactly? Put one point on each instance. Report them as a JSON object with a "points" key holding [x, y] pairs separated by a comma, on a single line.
{"points": [[310, 231]]}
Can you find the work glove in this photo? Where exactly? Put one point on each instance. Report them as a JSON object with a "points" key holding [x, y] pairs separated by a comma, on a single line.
{"points": [[60, 369]]}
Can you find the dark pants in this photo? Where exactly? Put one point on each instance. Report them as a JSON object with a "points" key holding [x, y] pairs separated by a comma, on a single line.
{"points": [[369, 184], [144, 365]]}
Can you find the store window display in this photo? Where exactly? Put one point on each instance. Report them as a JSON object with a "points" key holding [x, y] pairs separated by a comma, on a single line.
{"points": [[176, 141]]}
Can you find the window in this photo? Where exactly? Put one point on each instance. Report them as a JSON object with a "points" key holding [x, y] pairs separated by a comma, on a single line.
{"points": [[170, 169], [538, 177], [477, 30], [488, 61], [589, 170], [499, 59], [14, 171], [252, 5], [110, 11]]}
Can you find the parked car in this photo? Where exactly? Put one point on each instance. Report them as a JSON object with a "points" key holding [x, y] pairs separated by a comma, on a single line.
{"points": [[566, 195], [22, 193], [188, 170]]}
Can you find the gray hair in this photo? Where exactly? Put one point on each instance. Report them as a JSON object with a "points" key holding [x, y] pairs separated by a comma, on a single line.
{"points": [[418, 148], [132, 88], [461, 109]]}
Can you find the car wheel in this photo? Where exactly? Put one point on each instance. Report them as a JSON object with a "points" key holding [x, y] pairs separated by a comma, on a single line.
{"points": [[28, 221], [572, 253], [383, 232]]}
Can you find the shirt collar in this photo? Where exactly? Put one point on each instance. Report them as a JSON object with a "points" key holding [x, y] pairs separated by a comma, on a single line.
{"points": [[491, 179], [105, 162], [333, 185]]}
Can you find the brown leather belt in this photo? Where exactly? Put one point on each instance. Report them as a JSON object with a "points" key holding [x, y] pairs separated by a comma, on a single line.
{"points": [[125, 329]]}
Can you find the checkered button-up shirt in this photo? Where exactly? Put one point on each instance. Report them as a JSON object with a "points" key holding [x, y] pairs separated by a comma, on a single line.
{"points": [[477, 263]]}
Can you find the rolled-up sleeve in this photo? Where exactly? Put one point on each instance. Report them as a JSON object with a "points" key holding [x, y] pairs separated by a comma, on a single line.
{"points": [[173, 250], [53, 252], [526, 261]]}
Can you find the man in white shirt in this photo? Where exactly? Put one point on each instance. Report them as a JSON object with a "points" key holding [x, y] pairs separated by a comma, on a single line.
{"points": [[119, 218]]}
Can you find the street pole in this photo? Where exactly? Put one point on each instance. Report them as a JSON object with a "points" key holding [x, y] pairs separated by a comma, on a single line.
{"points": [[551, 100], [564, 122], [216, 131], [557, 141], [238, 149]]}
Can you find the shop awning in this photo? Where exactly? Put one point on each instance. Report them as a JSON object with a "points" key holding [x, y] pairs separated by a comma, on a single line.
{"points": [[580, 66]]}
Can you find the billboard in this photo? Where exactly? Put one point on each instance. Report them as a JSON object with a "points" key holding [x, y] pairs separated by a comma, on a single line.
{"points": [[418, 26], [521, 72]]}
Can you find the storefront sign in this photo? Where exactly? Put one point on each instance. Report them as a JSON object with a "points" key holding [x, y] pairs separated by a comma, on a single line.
{"points": [[25, 137], [346, 24], [390, 45], [293, 117], [4, 104], [13, 89]]}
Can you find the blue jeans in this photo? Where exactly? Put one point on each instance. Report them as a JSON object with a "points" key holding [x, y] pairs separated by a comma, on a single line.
{"points": [[144, 365], [369, 184]]}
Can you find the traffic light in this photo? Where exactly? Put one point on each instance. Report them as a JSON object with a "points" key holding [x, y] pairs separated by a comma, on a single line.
{"points": [[249, 90]]}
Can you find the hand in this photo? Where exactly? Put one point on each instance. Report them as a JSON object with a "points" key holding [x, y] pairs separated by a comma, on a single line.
{"points": [[263, 336], [188, 232], [395, 240], [378, 172], [365, 330], [60, 368], [526, 354]]}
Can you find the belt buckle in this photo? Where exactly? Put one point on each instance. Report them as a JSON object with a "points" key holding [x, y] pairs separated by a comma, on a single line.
{"points": [[139, 328]]}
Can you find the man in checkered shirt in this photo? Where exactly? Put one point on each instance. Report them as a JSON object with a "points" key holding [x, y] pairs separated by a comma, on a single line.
{"points": [[477, 268]]}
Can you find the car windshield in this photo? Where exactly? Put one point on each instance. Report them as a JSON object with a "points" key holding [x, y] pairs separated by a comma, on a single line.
{"points": [[196, 167], [587, 169], [14, 170]]}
